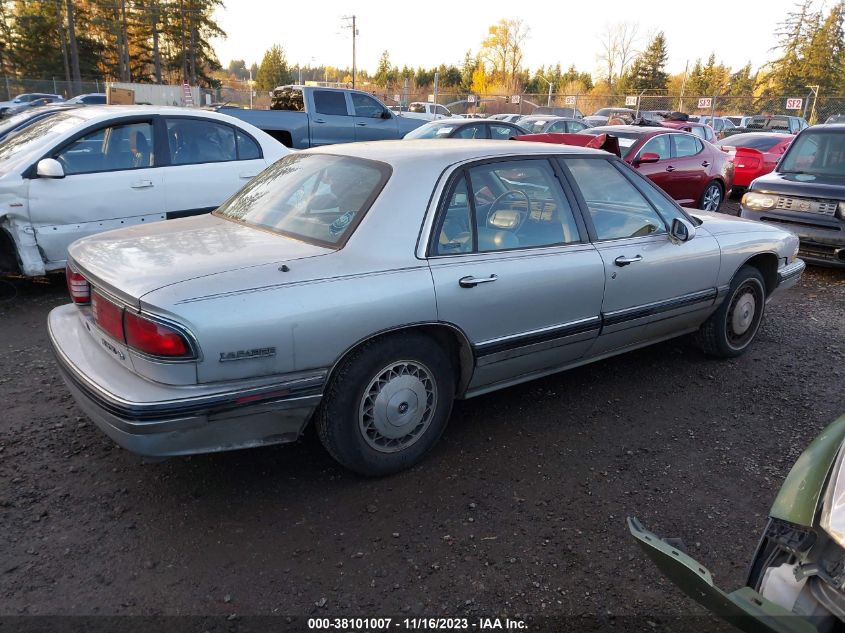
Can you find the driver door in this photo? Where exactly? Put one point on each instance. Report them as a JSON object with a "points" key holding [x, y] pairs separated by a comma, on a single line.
{"points": [[513, 270], [370, 121]]}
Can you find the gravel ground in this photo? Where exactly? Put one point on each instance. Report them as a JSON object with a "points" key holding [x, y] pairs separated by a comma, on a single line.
{"points": [[519, 510]]}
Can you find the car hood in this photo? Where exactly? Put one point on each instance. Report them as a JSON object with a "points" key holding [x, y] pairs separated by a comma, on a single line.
{"points": [[721, 224], [807, 185], [135, 261]]}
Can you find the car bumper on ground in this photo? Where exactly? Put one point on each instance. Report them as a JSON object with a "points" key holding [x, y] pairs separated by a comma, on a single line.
{"points": [[822, 237], [159, 420], [744, 608], [790, 274]]}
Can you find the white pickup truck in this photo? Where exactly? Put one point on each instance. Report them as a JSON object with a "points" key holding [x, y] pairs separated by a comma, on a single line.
{"points": [[427, 111]]}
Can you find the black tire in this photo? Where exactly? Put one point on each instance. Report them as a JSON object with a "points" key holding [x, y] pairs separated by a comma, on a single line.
{"points": [[722, 334], [358, 418], [713, 193]]}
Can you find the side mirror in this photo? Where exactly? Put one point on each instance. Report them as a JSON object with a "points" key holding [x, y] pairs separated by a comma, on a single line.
{"points": [[648, 157], [49, 168], [681, 230], [385, 114]]}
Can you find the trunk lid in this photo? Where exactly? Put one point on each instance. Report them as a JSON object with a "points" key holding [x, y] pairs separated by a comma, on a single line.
{"points": [[137, 260]]}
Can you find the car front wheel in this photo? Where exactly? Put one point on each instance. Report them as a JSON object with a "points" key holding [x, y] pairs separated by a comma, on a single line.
{"points": [[729, 331], [387, 404], [711, 199]]}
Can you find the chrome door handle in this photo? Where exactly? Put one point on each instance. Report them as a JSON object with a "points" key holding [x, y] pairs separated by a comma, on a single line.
{"points": [[670, 168], [624, 261], [141, 184], [472, 282], [706, 163]]}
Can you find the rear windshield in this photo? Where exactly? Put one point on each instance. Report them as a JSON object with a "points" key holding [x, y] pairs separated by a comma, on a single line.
{"points": [[417, 107], [753, 141], [627, 140], [432, 130], [289, 99], [764, 123], [816, 153], [317, 198], [534, 126]]}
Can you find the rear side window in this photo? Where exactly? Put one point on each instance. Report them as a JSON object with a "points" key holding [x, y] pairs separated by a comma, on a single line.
{"points": [[247, 148], [618, 210], [193, 141], [313, 197], [330, 102], [686, 145]]}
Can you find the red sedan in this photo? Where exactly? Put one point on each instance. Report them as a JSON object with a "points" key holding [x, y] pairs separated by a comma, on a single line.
{"points": [[755, 154], [691, 170]]}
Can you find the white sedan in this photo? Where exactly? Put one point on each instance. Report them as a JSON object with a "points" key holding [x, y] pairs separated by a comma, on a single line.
{"points": [[92, 169]]}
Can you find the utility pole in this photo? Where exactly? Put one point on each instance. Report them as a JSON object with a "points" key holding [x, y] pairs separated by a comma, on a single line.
{"points": [[354, 28]]}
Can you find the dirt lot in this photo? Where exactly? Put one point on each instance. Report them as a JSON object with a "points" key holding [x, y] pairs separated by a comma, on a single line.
{"points": [[519, 510]]}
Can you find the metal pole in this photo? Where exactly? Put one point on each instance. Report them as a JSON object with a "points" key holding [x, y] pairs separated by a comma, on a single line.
{"points": [[549, 103], [8, 90], [55, 89], [354, 34], [436, 85], [249, 85]]}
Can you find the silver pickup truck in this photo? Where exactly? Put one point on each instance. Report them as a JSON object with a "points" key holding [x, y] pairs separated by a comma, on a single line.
{"points": [[306, 116]]}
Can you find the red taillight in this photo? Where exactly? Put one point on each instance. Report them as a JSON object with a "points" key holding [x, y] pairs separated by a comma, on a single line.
{"points": [[78, 287], [153, 338], [107, 315]]}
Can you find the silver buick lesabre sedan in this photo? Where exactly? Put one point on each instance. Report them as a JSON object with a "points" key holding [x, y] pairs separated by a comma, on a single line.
{"points": [[368, 285]]}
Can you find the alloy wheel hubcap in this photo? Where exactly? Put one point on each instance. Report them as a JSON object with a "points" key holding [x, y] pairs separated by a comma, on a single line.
{"points": [[397, 406], [712, 197]]}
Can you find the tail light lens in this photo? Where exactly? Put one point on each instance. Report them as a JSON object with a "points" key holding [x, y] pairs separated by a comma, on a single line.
{"points": [[108, 316], [78, 287], [153, 338]]}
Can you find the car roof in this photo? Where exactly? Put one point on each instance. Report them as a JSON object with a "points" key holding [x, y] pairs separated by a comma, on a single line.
{"points": [[94, 112], [632, 129], [549, 117], [445, 151]]}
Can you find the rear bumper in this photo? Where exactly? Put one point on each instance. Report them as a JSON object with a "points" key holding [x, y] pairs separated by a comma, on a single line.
{"points": [[164, 420], [822, 238], [744, 608]]}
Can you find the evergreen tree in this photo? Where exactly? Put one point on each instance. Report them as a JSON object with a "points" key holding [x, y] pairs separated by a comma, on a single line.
{"points": [[787, 76], [648, 71], [273, 70]]}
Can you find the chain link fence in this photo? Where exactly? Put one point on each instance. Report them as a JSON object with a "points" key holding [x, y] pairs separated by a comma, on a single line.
{"points": [[11, 87]]}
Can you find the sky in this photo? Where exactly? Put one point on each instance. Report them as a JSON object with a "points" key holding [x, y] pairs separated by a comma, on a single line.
{"points": [[738, 31]]}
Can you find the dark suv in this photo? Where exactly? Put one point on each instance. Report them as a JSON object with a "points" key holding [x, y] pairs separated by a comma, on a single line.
{"points": [[806, 194]]}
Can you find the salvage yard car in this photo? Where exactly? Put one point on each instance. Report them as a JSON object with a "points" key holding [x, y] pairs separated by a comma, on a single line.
{"points": [[93, 168], [368, 285], [472, 128], [692, 171], [795, 581], [806, 194]]}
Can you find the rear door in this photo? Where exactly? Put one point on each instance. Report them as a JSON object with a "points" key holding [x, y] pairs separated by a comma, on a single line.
{"points": [[512, 268], [691, 164], [655, 287], [112, 179], [371, 123], [331, 118]]}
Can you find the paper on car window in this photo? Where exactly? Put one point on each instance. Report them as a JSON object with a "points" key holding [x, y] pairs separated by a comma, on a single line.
{"points": [[626, 142], [444, 131]]}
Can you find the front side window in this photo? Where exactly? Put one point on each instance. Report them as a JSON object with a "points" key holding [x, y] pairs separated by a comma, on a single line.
{"points": [[470, 131], [618, 210], [366, 106], [113, 148], [576, 126], [557, 126], [330, 102], [193, 141], [440, 110], [313, 197], [659, 145], [686, 145]]}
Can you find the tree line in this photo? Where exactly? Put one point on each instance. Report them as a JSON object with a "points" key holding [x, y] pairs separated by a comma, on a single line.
{"points": [[148, 41]]}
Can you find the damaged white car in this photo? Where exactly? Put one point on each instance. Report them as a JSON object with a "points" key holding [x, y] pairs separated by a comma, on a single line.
{"points": [[97, 168]]}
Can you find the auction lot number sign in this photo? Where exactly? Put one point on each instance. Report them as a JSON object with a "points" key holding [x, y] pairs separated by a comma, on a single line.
{"points": [[794, 104]]}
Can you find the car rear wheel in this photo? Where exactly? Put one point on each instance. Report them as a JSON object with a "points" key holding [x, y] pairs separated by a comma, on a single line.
{"points": [[711, 199], [729, 331], [387, 404]]}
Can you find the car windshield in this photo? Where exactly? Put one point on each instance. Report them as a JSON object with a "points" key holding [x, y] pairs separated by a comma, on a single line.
{"points": [[759, 142], [534, 126], [627, 140], [312, 197], [432, 130], [42, 132], [817, 153]]}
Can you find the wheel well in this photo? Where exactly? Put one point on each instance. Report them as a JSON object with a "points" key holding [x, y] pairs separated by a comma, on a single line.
{"points": [[8, 254], [282, 136], [767, 264], [448, 337]]}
